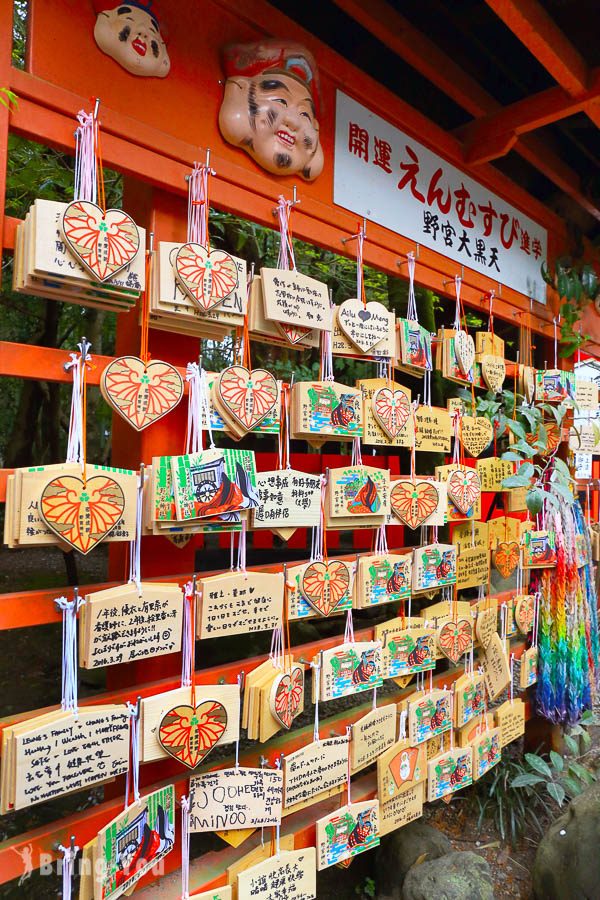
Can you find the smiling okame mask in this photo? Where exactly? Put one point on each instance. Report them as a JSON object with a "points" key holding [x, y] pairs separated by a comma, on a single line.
{"points": [[271, 107], [130, 34]]}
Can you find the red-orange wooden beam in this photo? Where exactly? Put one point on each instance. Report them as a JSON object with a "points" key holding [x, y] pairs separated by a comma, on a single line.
{"points": [[530, 22], [543, 38], [397, 33], [486, 138]]}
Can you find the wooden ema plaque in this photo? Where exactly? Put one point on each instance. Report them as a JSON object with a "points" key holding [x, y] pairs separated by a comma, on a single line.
{"points": [[299, 607], [311, 773], [433, 429], [295, 299], [374, 432], [325, 409], [288, 499], [121, 624], [469, 698], [529, 668], [449, 772], [492, 472], [434, 566], [345, 833], [153, 710], [235, 798], [291, 874], [371, 735], [496, 667], [472, 567], [401, 809], [382, 578], [239, 603], [133, 843], [429, 716], [341, 345], [407, 647], [59, 752], [399, 769], [510, 719], [355, 494], [349, 669], [486, 752]]}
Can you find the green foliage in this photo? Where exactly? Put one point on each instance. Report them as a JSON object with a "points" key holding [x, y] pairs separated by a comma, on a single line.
{"points": [[576, 285], [366, 890], [521, 429], [521, 794]]}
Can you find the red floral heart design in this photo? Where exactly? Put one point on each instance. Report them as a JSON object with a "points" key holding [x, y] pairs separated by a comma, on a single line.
{"points": [[248, 396], [141, 394], [412, 502], [188, 733], [464, 489], [82, 514], [104, 242], [286, 695], [524, 612], [207, 277], [324, 585], [455, 638], [506, 558], [391, 408]]}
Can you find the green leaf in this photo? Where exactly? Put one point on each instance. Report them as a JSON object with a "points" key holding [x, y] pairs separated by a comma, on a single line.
{"points": [[562, 284], [527, 470], [535, 501], [526, 780], [557, 792], [588, 718], [571, 744], [589, 282], [564, 491], [561, 467], [514, 481], [540, 765], [557, 760], [581, 772], [547, 275], [573, 787], [516, 428], [524, 448], [508, 454]]}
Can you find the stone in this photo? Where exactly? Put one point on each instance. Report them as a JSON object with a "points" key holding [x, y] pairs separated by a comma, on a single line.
{"points": [[455, 876], [567, 862], [401, 849]]}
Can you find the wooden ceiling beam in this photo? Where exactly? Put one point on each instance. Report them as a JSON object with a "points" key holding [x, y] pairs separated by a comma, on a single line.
{"points": [[395, 32], [543, 38], [535, 111]]}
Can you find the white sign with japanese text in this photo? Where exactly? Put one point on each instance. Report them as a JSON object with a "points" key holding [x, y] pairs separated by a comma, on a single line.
{"points": [[382, 173]]}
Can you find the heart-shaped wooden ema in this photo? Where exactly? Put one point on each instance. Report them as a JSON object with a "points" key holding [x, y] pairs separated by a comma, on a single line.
{"points": [[391, 408], [104, 242], [248, 397], [293, 333], [188, 733], [486, 624], [455, 638], [364, 325], [524, 612], [325, 584], [82, 514], [285, 699], [506, 557], [476, 434], [464, 489], [493, 371], [464, 348], [141, 394], [207, 277], [413, 502]]}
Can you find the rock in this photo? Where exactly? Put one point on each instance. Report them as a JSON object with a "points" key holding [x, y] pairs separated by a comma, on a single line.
{"points": [[401, 849], [567, 863], [455, 876]]}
